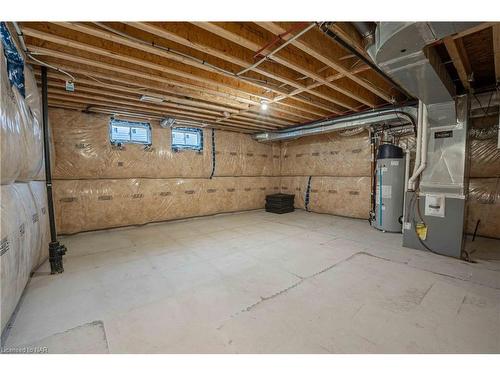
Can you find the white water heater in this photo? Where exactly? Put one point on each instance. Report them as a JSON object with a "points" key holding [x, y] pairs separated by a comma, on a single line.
{"points": [[389, 192]]}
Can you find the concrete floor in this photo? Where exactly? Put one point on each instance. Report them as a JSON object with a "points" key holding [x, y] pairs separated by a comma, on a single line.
{"points": [[257, 282]]}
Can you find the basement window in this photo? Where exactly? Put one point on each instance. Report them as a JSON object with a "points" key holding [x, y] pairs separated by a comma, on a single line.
{"points": [[187, 139], [121, 131]]}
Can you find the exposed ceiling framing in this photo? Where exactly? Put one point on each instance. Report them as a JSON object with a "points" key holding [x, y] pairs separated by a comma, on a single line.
{"points": [[207, 72], [218, 74]]}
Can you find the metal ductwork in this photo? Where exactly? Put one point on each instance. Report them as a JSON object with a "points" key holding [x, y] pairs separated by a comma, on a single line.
{"points": [[390, 116], [435, 210], [401, 50], [367, 31]]}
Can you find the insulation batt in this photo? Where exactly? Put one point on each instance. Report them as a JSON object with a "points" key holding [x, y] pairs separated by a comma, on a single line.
{"points": [[20, 244], [485, 158], [31, 128], [10, 126], [239, 155], [39, 193], [296, 186], [83, 150], [327, 155], [484, 205], [343, 196], [83, 205]]}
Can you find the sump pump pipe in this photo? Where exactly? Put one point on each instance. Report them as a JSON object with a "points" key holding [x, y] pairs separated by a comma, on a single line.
{"points": [[423, 152]]}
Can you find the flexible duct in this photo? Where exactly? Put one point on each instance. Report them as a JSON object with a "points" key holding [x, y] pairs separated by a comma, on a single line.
{"points": [[392, 116]]}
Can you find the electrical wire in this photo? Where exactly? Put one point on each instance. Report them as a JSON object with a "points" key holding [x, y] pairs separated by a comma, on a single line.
{"points": [[72, 78]]}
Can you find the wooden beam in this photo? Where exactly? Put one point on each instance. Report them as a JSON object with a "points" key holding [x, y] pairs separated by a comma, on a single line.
{"points": [[241, 35], [117, 107], [112, 101], [318, 46], [242, 59], [155, 30], [107, 75], [191, 105], [350, 35], [472, 30], [87, 48], [460, 61], [123, 81]]}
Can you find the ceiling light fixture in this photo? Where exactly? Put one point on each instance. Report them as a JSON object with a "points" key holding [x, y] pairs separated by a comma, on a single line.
{"points": [[263, 106], [153, 99]]}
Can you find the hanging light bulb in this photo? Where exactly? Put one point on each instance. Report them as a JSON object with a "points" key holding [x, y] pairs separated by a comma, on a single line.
{"points": [[263, 106]]}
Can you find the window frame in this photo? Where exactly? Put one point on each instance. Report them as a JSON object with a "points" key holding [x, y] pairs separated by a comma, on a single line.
{"points": [[177, 148], [130, 124]]}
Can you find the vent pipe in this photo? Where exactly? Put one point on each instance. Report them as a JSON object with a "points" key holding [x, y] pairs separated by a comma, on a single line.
{"points": [[367, 31]]}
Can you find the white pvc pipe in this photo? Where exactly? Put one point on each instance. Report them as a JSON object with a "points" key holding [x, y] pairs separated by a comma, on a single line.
{"points": [[423, 151], [418, 140], [418, 136]]}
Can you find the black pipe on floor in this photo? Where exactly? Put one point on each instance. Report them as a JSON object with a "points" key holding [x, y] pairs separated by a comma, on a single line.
{"points": [[56, 250]]}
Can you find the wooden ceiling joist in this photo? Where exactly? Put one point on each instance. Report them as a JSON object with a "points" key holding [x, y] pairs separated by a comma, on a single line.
{"points": [[112, 106], [240, 57], [107, 36], [189, 105], [206, 72], [328, 53], [459, 59], [285, 112], [167, 112], [253, 41]]}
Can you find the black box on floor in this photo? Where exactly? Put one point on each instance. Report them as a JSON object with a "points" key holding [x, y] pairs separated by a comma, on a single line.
{"points": [[279, 203]]}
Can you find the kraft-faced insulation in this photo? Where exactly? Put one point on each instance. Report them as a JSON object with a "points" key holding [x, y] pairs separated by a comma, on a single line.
{"points": [[238, 154], [297, 186], [485, 158], [328, 154], [83, 205], [484, 205], [343, 196], [83, 150]]}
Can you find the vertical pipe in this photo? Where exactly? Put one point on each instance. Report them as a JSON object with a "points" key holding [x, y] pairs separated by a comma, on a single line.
{"points": [[56, 250], [46, 151], [407, 176], [421, 133]]}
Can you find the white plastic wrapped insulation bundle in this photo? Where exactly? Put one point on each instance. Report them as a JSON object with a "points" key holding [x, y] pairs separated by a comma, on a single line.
{"points": [[16, 239], [10, 137], [31, 129], [39, 192], [27, 202]]}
